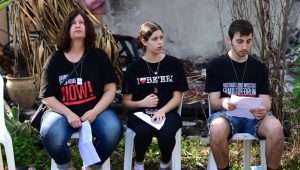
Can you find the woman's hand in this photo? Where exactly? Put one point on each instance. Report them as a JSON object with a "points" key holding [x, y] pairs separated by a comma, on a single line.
{"points": [[158, 116], [259, 113], [150, 101], [74, 120], [90, 116]]}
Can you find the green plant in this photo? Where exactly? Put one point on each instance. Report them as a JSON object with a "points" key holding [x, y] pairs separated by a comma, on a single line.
{"points": [[28, 149], [296, 91], [4, 3]]}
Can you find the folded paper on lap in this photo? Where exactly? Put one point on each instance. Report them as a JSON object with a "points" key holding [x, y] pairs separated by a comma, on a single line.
{"points": [[148, 120], [243, 106], [87, 150]]}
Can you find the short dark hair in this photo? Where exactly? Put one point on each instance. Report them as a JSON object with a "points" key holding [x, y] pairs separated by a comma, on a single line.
{"points": [[146, 30], [64, 39], [244, 27]]}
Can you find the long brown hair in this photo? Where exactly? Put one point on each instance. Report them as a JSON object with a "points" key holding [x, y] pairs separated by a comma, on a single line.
{"points": [[64, 39], [146, 30]]}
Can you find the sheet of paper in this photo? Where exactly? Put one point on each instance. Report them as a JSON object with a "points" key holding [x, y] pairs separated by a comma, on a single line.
{"points": [[148, 120], [243, 106], [87, 150]]}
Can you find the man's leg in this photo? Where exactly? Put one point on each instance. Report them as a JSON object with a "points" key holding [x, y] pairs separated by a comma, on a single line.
{"points": [[272, 130], [219, 133]]}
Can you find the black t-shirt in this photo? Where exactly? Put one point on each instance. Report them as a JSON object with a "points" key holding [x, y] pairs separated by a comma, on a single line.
{"points": [[249, 78], [140, 80], [84, 87]]}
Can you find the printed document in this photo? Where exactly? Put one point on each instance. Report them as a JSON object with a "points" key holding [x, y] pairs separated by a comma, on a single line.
{"points": [[87, 150], [148, 120], [243, 106]]}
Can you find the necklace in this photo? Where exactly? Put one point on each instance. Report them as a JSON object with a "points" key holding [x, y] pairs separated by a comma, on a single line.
{"points": [[235, 71], [155, 73], [78, 75]]}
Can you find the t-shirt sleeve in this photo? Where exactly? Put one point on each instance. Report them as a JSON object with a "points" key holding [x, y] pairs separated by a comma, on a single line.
{"points": [[263, 86], [181, 82], [129, 84], [49, 81], [109, 75], [212, 83]]}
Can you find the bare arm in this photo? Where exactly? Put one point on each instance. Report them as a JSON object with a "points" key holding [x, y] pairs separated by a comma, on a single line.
{"points": [[266, 100], [149, 101], [217, 103], [215, 100], [173, 103], [60, 108], [106, 99], [262, 111], [152, 101]]}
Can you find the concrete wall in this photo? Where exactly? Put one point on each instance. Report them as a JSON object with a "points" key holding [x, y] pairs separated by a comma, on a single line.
{"points": [[192, 27]]}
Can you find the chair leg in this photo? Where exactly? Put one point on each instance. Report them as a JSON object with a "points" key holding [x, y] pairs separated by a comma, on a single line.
{"points": [[247, 154], [1, 160], [263, 160], [129, 142], [211, 164], [9, 152], [106, 165], [176, 155], [53, 165]]}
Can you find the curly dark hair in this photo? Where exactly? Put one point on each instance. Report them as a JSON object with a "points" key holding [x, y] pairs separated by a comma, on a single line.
{"points": [[64, 39], [146, 30]]}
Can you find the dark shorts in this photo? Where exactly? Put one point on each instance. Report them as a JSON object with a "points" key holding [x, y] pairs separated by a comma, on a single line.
{"points": [[237, 124]]}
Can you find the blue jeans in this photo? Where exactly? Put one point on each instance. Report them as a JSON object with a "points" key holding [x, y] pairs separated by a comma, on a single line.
{"points": [[237, 124], [56, 132]]}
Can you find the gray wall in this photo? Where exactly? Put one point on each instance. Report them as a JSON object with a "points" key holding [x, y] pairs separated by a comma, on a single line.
{"points": [[192, 26]]}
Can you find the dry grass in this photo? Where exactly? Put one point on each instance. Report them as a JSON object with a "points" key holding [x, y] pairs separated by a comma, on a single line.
{"points": [[35, 25]]}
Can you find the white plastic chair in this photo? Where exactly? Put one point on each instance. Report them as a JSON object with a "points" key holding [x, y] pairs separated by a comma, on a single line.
{"points": [[5, 137], [247, 139], [129, 142], [105, 165]]}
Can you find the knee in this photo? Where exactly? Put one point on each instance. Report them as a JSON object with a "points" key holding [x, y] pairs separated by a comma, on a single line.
{"points": [[113, 124], [219, 131], [142, 133], [54, 142], [167, 137], [114, 134], [274, 131]]}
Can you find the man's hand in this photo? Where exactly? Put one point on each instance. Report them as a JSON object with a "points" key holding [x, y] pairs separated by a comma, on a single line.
{"points": [[74, 120], [226, 104], [150, 101], [89, 115], [260, 112], [158, 116]]}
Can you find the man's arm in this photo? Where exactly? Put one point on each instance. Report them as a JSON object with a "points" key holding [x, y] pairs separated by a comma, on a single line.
{"points": [[218, 103], [266, 101], [262, 111]]}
